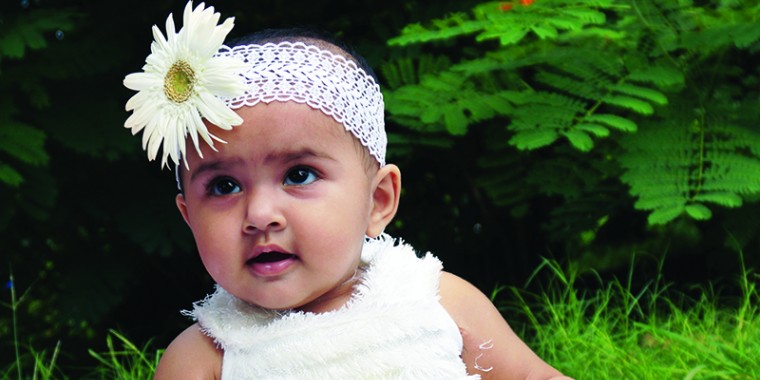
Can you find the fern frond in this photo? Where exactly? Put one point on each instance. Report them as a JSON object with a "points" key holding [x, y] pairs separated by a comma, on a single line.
{"points": [[601, 79], [676, 169], [578, 219], [578, 87], [741, 35], [23, 142], [28, 30], [509, 26], [500, 175], [398, 73], [541, 118], [454, 25], [593, 80], [446, 101], [564, 75]]}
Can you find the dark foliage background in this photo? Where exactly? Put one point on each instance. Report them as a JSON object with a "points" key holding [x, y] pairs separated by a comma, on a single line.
{"points": [[89, 230]]}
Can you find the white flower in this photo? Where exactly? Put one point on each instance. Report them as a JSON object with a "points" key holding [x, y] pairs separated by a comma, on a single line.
{"points": [[180, 84]]}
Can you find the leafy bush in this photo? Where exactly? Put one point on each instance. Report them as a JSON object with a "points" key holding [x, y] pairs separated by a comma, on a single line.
{"points": [[604, 105]]}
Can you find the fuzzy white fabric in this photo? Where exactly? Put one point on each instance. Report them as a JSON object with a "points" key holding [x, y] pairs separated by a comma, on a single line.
{"points": [[393, 327]]}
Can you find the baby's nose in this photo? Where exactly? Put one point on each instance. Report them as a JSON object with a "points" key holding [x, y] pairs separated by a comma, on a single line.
{"points": [[263, 212]]}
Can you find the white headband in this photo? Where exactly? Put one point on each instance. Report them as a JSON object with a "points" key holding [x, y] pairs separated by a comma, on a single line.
{"points": [[295, 71], [190, 76], [307, 74]]}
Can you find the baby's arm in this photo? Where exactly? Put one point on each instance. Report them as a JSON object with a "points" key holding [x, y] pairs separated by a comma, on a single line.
{"points": [[489, 342], [192, 355]]}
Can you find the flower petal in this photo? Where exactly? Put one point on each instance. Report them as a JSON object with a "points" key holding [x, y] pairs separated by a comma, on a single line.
{"points": [[142, 81], [216, 112], [166, 123]]}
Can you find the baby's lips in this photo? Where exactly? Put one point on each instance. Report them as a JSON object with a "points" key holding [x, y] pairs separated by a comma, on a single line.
{"points": [[265, 248]]}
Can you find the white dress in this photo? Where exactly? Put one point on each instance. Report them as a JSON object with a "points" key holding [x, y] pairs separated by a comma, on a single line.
{"points": [[393, 327]]}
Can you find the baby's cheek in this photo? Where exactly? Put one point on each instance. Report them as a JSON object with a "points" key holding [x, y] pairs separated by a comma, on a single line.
{"points": [[213, 265]]}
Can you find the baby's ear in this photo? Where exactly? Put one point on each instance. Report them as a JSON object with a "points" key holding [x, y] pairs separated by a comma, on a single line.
{"points": [[182, 206], [385, 198]]}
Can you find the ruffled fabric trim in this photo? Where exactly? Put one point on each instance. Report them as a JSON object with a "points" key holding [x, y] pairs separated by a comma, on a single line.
{"points": [[393, 327]]}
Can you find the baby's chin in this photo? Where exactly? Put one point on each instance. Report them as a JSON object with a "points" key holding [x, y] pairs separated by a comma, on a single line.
{"points": [[277, 302], [319, 304]]}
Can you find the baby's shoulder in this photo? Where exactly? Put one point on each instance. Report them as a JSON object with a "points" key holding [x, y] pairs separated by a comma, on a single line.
{"points": [[490, 347], [191, 355], [461, 299], [456, 289]]}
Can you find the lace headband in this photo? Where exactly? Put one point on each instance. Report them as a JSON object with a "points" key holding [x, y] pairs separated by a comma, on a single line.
{"points": [[295, 71], [190, 75]]}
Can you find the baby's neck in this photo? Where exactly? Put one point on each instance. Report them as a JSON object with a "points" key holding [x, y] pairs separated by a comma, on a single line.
{"points": [[335, 298]]}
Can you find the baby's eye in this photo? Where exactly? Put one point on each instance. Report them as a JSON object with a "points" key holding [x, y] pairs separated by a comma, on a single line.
{"points": [[223, 186], [300, 177]]}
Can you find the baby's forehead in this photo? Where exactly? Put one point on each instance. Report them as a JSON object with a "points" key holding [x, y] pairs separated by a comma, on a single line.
{"points": [[282, 133], [292, 121], [303, 127]]}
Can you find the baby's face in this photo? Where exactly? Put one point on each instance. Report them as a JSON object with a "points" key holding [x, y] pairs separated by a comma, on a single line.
{"points": [[280, 212]]}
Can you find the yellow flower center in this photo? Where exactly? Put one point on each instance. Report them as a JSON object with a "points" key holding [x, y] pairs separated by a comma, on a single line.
{"points": [[179, 82]]}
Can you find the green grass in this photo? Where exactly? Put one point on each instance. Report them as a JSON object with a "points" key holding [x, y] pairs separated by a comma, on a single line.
{"points": [[612, 331], [617, 332], [125, 361]]}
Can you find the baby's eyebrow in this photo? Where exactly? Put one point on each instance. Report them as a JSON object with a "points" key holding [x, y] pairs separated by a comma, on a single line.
{"points": [[213, 165], [210, 165]]}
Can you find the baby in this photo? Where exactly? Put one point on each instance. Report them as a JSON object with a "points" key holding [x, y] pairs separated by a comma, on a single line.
{"points": [[287, 198]]}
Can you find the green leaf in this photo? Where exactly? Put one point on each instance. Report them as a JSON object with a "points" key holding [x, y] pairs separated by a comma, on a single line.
{"points": [[479, 106], [660, 75], [595, 129], [545, 31], [747, 34], [509, 37], [723, 199], [455, 120], [10, 176], [430, 115], [698, 211], [664, 215], [589, 16], [579, 139], [614, 121], [649, 94], [533, 139], [23, 142], [628, 102], [34, 38]]}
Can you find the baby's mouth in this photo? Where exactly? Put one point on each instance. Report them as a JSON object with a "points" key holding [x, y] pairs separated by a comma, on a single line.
{"points": [[270, 257], [268, 264]]}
